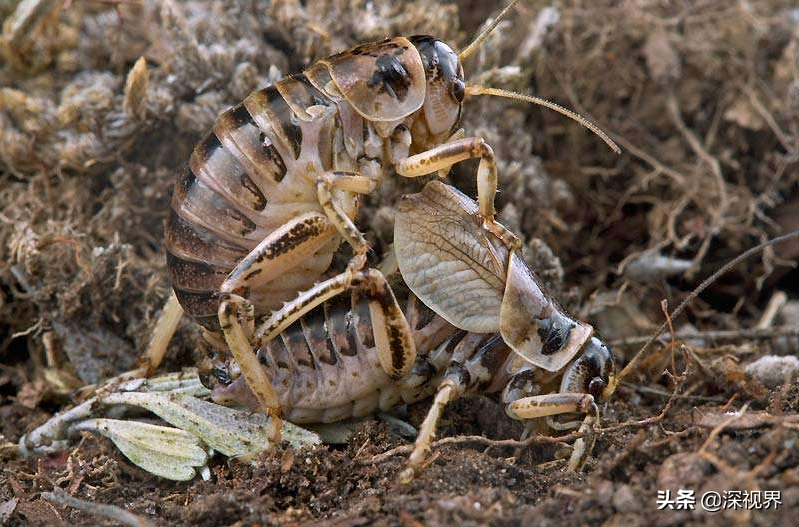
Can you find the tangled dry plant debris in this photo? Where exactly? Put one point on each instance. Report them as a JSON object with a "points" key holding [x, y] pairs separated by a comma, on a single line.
{"points": [[101, 102]]}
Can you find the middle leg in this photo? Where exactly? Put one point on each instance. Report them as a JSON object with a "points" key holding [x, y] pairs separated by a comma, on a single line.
{"points": [[349, 182], [557, 404], [444, 156], [283, 249]]}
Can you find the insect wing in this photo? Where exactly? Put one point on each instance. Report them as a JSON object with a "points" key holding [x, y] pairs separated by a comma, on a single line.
{"points": [[384, 81], [450, 262], [447, 260]]}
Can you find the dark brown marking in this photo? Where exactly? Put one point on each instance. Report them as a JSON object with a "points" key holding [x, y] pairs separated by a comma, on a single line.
{"points": [[198, 303], [271, 155], [423, 368], [338, 312], [492, 355], [553, 336], [193, 193], [237, 126], [297, 346], [284, 115], [194, 276], [209, 322], [396, 338], [258, 200], [363, 323], [311, 96], [207, 147], [254, 272], [391, 77], [317, 335], [239, 117], [280, 355], [198, 243], [298, 234]]}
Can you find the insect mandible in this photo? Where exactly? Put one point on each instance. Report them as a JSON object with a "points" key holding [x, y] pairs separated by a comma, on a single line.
{"points": [[270, 193]]}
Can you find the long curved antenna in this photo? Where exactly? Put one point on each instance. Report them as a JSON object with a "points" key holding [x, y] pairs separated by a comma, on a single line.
{"points": [[471, 48], [484, 90]]}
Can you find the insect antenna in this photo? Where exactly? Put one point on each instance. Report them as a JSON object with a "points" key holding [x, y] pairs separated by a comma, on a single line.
{"points": [[471, 48], [484, 90]]}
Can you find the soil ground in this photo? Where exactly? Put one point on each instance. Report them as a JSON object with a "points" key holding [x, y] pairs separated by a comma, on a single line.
{"points": [[703, 98]]}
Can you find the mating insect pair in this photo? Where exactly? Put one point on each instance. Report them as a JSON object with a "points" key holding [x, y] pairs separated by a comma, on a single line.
{"points": [[271, 192]]}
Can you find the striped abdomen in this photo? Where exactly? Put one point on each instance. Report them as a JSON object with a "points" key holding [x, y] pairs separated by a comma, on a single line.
{"points": [[255, 171], [325, 367]]}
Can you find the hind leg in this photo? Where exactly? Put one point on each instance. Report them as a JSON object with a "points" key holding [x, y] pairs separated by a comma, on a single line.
{"points": [[455, 383], [393, 338], [282, 250], [162, 333]]}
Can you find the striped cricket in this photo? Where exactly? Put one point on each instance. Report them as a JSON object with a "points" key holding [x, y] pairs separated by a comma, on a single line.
{"points": [[271, 192]]}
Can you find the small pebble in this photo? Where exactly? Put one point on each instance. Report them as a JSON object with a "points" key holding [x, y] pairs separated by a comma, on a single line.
{"points": [[771, 370], [624, 499]]}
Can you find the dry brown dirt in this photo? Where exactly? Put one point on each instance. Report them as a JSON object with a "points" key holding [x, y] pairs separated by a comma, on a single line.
{"points": [[703, 98]]}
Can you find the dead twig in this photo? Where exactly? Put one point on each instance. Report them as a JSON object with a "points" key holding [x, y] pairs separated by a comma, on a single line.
{"points": [[721, 426], [727, 334], [481, 440], [535, 438], [775, 304], [113, 512], [715, 170], [661, 393], [701, 287]]}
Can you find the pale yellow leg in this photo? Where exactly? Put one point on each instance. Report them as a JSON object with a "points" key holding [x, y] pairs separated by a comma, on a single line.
{"points": [[286, 247], [450, 389], [162, 333], [349, 182], [283, 249], [444, 156], [231, 312], [393, 338], [562, 403], [446, 393]]}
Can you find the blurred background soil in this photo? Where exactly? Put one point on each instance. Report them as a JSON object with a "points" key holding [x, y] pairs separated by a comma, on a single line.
{"points": [[703, 98]]}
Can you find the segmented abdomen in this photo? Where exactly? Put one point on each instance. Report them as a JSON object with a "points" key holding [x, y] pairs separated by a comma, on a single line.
{"points": [[243, 181], [325, 367]]}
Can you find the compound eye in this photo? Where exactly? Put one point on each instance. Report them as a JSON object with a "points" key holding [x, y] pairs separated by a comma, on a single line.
{"points": [[596, 387], [458, 89]]}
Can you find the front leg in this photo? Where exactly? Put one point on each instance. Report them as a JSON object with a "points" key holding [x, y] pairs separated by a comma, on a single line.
{"points": [[444, 156], [349, 182], [557, 404]]}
